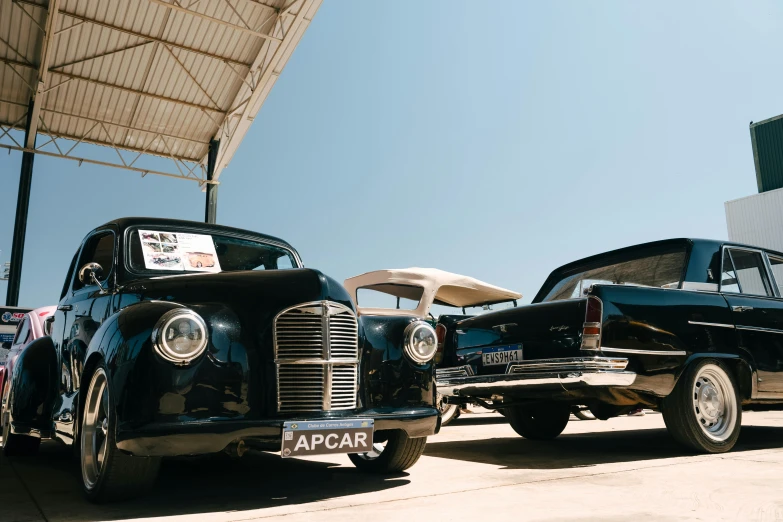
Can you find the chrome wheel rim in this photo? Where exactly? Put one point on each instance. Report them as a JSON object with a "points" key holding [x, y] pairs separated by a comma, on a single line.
{"points": [[95, 429], [714, 403], [5, 420], [377, 449]]}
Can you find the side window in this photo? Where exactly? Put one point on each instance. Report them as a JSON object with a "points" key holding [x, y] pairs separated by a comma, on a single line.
{"points": [[98, 249], [776, 264], [23, 332], [750, 273], [728, 278]]}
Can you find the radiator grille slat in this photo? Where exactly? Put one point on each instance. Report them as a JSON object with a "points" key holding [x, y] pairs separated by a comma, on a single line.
{"points": [[316, 354]]}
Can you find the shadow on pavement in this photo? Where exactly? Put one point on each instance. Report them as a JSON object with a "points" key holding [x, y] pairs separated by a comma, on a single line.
{"points": [[477, 420], [588, 449], [205, 485]]}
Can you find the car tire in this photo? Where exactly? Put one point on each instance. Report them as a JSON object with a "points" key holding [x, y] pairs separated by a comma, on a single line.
{"points": [[703, 412], [15, 445], [400, 453], [107, 474], [544, 422]]}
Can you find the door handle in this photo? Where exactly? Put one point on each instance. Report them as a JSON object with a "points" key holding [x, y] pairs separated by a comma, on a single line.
{"points": [[65, 308], [741, 308]]}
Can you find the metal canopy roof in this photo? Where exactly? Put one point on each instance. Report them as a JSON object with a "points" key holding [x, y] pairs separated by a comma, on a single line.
{"points": [[161, 77]]}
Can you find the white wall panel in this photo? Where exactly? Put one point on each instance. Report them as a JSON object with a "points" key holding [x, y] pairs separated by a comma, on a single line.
{"points": [[757, 220]]}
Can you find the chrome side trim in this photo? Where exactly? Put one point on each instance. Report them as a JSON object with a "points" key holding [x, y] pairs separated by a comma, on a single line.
{"points": [[567, 365], [720, 325], [643, 352], [459, 371], [699, 287], [517, 382], [757, 329]]}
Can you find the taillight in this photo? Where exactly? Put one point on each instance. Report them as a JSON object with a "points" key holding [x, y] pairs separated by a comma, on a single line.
{"points": [[440, 332], [591, 329]]}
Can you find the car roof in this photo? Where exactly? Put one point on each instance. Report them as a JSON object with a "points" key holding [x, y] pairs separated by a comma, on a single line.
{"points": [[450, 288], [127, 222]]}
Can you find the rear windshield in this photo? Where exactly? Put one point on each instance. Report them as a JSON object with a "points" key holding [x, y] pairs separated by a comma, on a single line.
{"points": [[660, 271], [187, 251]]}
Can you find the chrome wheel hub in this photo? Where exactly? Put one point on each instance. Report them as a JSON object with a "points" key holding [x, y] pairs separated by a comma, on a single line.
{"points": [[714, 403], [95, 429]]}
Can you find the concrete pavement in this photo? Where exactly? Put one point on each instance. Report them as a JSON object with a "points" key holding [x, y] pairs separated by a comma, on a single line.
{"points": [[475, 470]]}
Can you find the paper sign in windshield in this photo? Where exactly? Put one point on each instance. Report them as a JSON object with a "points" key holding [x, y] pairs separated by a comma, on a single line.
{"points": [[179, 251]]}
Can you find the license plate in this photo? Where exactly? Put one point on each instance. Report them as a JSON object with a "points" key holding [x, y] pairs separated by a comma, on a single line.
{"points": [[326, 436], [501, 355]]}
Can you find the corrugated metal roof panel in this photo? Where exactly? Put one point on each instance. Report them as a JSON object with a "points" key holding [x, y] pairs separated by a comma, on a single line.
{"points": [[150, 76]]}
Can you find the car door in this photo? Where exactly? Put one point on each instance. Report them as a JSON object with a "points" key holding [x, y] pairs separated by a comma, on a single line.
{"points": [[82, 310], [757, 311]]}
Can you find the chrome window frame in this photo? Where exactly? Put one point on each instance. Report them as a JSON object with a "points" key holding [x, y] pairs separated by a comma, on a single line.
{"points": [[770, 280]]}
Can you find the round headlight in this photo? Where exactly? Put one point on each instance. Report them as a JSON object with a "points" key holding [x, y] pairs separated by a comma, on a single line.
{"points": [[421, 343], [180, 336]]}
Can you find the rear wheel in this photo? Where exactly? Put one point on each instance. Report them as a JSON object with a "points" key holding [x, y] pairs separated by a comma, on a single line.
{"points": [[703, 411], [107, 473], [399, 453], [15, 445], [542, 422]]}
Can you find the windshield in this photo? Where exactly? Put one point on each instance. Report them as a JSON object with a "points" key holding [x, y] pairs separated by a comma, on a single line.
{"points": [[661, 271], [389, 295], [443, 309], [183, 251]]}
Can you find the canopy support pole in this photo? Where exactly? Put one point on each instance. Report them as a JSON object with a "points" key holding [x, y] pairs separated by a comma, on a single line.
{"points": [[212, 188], [22, 208]]}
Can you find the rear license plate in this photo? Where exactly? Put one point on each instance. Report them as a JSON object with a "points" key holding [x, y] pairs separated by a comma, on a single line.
{"points": [[323, 437], [501, 355]]}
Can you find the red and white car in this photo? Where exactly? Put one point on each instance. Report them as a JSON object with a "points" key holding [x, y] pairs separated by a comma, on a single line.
{"points": [[30, 326]]}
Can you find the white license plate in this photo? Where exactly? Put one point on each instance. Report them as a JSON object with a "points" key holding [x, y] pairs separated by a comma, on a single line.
{"points": [[501, 355]]}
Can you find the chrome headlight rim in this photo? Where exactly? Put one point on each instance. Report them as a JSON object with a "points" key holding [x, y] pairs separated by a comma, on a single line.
{"points": [[161, 346], [408, 336]]}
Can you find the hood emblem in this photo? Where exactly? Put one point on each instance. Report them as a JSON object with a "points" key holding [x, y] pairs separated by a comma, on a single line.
{"points": [[503, 328], [558, 328]]}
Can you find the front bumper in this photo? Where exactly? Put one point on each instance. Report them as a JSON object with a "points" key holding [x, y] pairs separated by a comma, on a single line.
{"points": [[200, 438], [537, 376]]}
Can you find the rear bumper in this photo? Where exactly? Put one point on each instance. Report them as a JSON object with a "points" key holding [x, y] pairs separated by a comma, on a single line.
{"points": [[550, 375], [200, 438]]}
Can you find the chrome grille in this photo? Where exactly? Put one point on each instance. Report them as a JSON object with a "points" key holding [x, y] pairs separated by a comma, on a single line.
{"points": [[317, 357]]}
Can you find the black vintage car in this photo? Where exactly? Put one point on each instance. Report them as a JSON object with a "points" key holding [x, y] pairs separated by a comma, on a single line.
{"points": [[148, 360], [693, 328]]}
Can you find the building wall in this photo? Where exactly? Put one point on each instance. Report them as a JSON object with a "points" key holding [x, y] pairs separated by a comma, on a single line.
{"points": [[766, 138], [757, 220]]}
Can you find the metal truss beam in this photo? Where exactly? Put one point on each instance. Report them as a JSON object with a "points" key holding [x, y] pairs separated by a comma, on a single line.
{"points": [[43, 71], [120, 87], [146, 37], [246, 30], [109, 123], [140, 170]]}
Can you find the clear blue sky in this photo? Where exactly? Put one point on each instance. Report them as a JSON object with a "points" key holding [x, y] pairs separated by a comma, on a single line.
{"points": [[498, 141]]}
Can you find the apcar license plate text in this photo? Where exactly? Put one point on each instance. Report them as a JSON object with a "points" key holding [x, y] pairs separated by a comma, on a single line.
{"points": [[327, 436]]}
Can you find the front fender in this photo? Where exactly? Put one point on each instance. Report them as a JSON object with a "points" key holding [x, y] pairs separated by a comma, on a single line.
{"points": [[34, 388], [119, 342], [392, 379]]}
